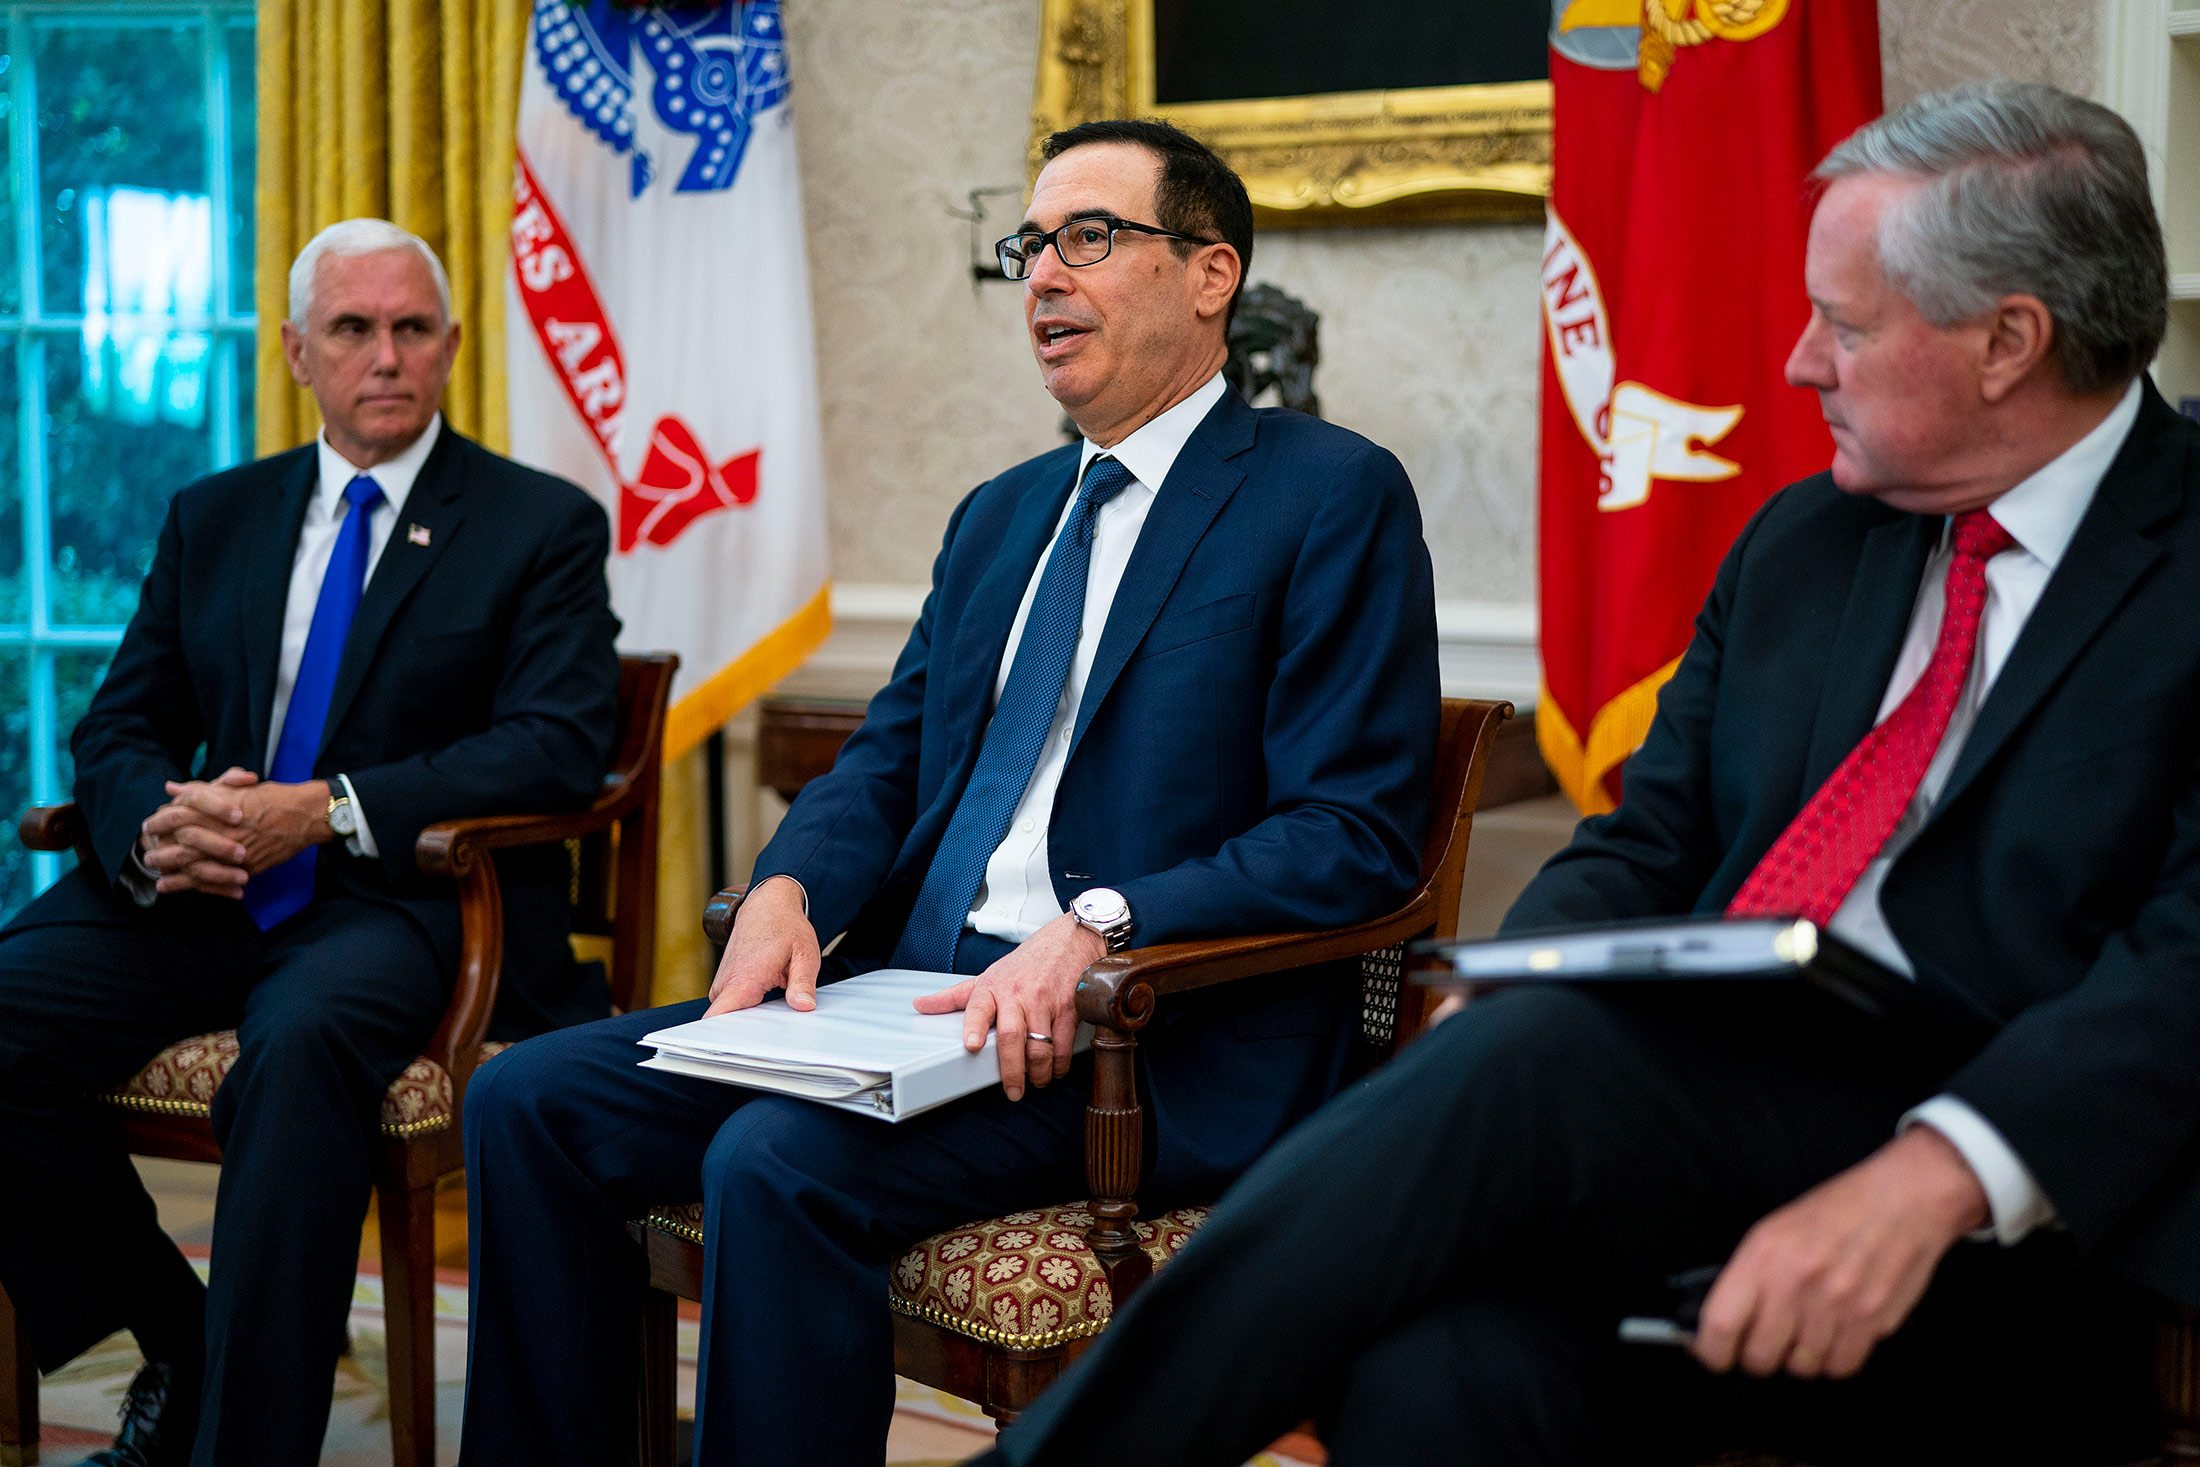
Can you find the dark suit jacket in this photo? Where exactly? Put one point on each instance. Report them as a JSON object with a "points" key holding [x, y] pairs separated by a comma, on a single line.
{"points": [[2053, 896], [1253, 752], [479, 678]]}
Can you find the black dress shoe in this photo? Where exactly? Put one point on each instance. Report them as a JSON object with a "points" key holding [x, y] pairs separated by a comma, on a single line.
{"points": [[160, 1416]]}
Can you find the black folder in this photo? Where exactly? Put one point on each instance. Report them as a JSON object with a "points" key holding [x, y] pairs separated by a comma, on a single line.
{"points": [[1694, 950]]}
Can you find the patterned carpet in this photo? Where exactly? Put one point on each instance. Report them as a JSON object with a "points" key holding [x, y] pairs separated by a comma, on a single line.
{"points": [[79, 1401]]}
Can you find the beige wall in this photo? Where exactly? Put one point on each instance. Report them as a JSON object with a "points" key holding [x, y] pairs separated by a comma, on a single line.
{"points": [[1429, 335]]}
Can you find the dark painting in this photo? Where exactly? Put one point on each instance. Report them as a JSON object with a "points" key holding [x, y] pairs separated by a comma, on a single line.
{"points": [[1229, 50]]}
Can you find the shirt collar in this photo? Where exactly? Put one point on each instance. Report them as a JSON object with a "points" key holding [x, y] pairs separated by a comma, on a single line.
{"points": [[395, 475], [1151, 449], [2043, 511]]}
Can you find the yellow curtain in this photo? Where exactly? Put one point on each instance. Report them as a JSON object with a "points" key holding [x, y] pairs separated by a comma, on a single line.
{"points": [[404, 110]]}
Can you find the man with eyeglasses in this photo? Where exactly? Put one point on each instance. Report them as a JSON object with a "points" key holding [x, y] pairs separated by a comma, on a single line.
{"points": [[1175, 681]]}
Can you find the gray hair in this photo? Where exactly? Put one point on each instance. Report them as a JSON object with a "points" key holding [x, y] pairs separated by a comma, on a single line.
{"points": [[2030, 191], [358, 237]]}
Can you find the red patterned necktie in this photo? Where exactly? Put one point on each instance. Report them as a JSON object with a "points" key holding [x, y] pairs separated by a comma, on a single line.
{"points": [[1810, 868]]}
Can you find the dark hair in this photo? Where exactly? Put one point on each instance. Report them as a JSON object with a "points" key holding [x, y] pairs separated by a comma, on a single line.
{"points": [[1198, 193]]}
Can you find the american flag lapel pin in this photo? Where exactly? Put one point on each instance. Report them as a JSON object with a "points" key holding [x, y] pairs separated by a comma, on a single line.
{"points": [[418, 534]]}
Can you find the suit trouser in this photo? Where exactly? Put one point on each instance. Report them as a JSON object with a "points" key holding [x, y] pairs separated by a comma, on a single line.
{"points": [[329, 1006], [805, 1209], [1433, 1266]]}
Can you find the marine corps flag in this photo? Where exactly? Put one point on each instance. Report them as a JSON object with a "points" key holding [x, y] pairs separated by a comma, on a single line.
{"points": [[659, 350], [1672, 279]]}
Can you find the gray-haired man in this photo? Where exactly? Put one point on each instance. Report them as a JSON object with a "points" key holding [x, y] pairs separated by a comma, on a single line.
{"points": [[1942, 698], [334, 648]]}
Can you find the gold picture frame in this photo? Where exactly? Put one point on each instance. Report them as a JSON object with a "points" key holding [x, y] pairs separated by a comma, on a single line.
{"points": [[1382, 157]]}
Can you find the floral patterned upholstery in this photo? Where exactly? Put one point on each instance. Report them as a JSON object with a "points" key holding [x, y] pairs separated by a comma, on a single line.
{"points": [[181, 1081], [1026, 1281]]}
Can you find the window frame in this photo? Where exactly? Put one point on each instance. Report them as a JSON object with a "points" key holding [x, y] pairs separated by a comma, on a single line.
{"points": [[28, 332]]}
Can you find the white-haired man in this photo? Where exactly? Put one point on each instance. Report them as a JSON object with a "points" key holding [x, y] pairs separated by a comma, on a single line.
{"points": [[334, 648], [1945, 700]]}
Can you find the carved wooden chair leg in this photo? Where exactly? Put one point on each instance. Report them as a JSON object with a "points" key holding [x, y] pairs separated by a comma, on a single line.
{"points": [[2177, 1385], [657, 1385], [1114, 1142], [18, 1391], [408, 1311]]}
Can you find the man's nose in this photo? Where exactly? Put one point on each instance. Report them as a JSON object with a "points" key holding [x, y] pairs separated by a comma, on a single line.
{"points": [[1807, 363], [1049, 276], [385, 350]]}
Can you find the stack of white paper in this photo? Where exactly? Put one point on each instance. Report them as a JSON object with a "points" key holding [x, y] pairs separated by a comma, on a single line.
{"points": [[864, 1047]]}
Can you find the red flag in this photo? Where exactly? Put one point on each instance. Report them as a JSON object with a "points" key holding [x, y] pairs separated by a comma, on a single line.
{"points": [[1684, 134]]}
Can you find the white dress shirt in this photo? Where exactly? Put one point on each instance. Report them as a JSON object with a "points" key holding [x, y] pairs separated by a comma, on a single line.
{"points": [[2041, 514], [1017, 898], [325, 513]]}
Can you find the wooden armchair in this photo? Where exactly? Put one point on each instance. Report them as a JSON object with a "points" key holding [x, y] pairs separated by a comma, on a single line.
{"points": [[164, 1109], [1000, 1343]]}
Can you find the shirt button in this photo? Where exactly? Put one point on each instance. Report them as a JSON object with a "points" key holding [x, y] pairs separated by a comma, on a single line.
{"points": [[1027, 826]]}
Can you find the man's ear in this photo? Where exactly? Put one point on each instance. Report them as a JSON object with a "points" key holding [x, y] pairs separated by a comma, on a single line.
{"points": [[294, 352], [1216, 270], [2019, 336]]}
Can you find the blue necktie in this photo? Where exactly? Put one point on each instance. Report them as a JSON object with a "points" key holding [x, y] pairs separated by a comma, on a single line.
{"points": [[1014, 738], [279, 891]]}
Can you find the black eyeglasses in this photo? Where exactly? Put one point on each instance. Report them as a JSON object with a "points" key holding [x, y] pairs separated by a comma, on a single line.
{"points": [[1079, 243]]}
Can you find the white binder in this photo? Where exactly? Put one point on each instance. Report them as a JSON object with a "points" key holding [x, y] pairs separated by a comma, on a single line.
{"points": [[864, 1048]]}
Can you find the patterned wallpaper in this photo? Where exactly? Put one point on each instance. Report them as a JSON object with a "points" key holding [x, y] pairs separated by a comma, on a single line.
{"points": [[1429, 335]]}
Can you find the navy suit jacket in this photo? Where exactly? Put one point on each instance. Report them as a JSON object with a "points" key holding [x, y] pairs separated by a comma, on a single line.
{"points": [[480, 678], [2053, 896], [1253, 752]]}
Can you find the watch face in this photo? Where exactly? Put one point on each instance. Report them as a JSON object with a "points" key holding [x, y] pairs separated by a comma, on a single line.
{"points": [[1102, 906]]}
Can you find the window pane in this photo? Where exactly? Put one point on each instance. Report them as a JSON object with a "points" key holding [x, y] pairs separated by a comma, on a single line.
{"points": [[248, 386], [11, 271], [110, 469], [14, 606], [244, 115], [122, 109], [76, 676], [15, 774]]}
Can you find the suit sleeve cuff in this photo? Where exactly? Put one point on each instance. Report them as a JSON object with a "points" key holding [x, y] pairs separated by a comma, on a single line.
{"points": [[142, 885], [798, 886], [361, 841], [2016, 1200]]}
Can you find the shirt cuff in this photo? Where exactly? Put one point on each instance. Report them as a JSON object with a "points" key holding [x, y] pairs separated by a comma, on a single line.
{"points": [[2016, 1200], [798, 886], [142, 885], [361, 841]]}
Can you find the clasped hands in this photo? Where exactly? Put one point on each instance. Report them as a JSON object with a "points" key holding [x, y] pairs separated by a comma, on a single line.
{"points": [[214, 835], [1030, 991]]}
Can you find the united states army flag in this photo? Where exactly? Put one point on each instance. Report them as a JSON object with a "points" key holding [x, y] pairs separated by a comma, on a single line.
{"points": [[1684, 132], [660, 350]]}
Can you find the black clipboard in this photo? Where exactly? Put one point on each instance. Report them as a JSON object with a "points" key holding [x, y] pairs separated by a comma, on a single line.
{"points": [[1692, 950]]}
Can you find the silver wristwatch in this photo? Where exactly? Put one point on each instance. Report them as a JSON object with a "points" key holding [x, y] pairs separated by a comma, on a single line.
{"points": [[1103, 911]]}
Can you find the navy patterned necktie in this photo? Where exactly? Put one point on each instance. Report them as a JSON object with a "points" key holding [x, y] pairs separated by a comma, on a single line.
{"points": [[1014, 738]]}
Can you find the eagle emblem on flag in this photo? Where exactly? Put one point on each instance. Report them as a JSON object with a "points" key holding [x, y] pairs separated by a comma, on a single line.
{"points": [[713, 70]]}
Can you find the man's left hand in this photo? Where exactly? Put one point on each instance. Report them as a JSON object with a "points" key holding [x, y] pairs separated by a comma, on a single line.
{"points": [[1031, 991], [273, 821], [1815, 1286]]}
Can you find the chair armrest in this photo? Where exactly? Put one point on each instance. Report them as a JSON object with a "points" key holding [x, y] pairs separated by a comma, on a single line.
{"points": [[1118, 992], [440, 849], [461, 849], [719, 912], [51, 827]]}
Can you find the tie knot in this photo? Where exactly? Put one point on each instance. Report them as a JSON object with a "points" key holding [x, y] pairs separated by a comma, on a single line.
{"points": [[363, 492], [1104, 479], [1980, 536]]}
